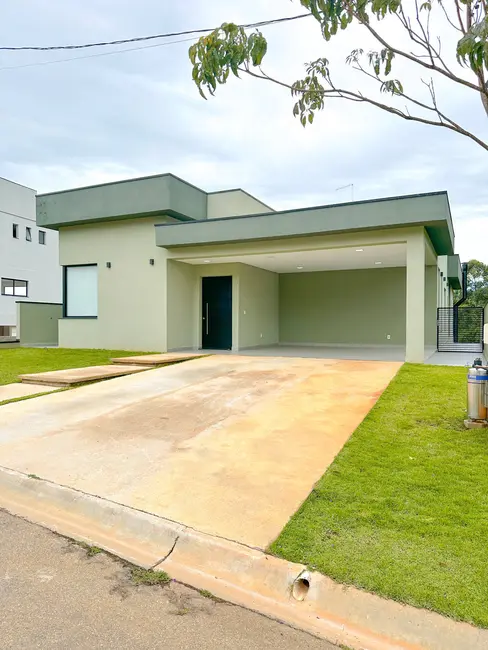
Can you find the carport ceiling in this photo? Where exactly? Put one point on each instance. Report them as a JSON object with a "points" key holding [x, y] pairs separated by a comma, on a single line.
{"points": [[332, 259]]}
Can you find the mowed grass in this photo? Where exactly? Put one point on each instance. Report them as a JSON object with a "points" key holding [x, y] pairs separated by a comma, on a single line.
{"points": [[403, 510], [19, 361]]}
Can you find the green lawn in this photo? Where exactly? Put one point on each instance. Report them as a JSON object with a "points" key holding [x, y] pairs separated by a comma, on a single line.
{"points": [[403, 510], [18, 361]]}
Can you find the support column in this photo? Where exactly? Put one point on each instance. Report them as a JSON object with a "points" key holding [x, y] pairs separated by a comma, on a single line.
{"points": [[415, 312]]}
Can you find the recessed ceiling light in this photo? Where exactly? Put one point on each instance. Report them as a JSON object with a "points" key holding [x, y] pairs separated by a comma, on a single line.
{"points": [[206, 261], [359, 250], [378, 262], [300, 267]]}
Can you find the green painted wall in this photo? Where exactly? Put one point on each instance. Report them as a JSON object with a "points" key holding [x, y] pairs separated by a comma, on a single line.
{"points": [[37, 323], [343, 307], [429, 211], [258, 307], [112, 201], [454, 272], [181, 310]]}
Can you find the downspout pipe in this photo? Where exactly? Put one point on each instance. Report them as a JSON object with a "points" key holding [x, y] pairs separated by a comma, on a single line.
{"points": [[464, 295], [464, 279]]}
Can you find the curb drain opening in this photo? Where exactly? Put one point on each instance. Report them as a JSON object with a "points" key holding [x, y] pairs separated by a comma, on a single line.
{"points": [[301, 586]]}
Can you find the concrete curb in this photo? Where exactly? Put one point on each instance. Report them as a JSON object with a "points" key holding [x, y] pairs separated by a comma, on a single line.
{"points": [[234, 572]]}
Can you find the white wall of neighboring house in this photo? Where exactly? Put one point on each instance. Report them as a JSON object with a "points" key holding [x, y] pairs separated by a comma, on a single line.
{"points": [[20, 259]]}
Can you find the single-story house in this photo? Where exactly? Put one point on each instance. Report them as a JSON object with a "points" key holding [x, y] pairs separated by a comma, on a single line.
{"points": [[156, 263]]}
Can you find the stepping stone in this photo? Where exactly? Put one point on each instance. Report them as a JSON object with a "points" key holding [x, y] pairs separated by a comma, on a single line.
{"points": [[158, 359], [73, 376], [12, 391]]}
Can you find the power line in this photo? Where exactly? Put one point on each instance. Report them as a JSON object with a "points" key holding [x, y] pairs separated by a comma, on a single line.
{"points": [[93, 56], [262, 23]]}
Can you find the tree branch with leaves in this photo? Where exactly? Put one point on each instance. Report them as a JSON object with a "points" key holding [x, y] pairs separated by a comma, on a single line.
{"points": [[230, 50]]}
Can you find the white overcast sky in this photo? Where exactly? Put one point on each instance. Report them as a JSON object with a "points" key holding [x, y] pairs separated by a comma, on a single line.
{"points": [[111, 117]]}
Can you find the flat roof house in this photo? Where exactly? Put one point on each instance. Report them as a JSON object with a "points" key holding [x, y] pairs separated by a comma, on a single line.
{"points": [[29, 265], [157, 264]]}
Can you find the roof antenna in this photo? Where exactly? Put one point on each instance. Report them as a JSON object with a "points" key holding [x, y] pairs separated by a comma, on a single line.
{"points": [[344, 187]]}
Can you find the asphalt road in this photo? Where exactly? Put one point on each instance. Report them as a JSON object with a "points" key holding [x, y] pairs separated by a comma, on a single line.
{"points": [[54, 596]]}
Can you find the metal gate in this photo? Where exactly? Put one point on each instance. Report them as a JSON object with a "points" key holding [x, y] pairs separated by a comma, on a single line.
{"points": [[460, 329]]}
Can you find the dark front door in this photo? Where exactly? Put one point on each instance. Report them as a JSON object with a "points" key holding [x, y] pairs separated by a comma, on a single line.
{"points": [[217, 313]]}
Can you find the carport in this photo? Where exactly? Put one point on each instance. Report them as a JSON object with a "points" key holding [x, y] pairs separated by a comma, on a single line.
{"points": [[355, 281]]}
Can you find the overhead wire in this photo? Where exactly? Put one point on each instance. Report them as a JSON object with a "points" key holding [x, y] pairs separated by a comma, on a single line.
{"points": [[42, 48], [93, 56]]}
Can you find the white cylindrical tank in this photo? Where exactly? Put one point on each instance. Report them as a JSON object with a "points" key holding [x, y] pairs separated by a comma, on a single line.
{"points": [[477, 393]]}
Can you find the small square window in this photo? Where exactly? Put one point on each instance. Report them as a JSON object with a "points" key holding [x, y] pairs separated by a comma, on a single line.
{"points": [[42, 237], [14, 287], [28, 234], [7, 287], [15, 231], [20, 288]]}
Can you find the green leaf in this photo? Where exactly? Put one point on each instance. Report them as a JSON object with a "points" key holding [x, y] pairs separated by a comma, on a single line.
{"points": [[223, 51]]}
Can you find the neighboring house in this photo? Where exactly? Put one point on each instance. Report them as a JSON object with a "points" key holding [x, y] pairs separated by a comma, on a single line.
{"points": [[157, 264], [29, 263]]}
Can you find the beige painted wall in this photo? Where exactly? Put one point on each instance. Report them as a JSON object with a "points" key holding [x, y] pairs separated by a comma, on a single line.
{"points": [[430, 308], [215, 270], [254, 304], [37, 323], [258, 307], [137, 311], [131, 294], [184, 302], [294, 244], [232, 204], [82, 333], [182, 307], [444, 291], [343, 307]]}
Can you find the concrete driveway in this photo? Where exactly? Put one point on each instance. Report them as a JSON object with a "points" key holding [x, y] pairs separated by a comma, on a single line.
{"points": [[229, 445]]}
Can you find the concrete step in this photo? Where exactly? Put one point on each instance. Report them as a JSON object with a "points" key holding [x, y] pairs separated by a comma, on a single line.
{"points": [[14, 391], [158, 359], [72, 376]]}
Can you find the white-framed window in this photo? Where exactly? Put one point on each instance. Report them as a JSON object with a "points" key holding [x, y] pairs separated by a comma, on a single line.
{"points": [[28, 234], [42, 236], [15, 230], [11, 287], [81, 291]]}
